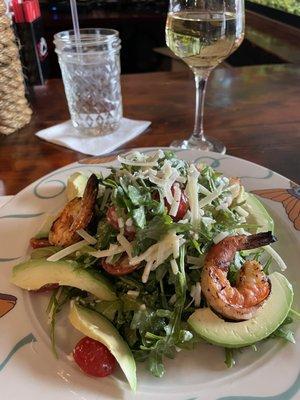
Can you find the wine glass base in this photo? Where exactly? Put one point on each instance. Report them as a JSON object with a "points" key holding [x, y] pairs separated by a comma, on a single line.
{"points": [[209, 144]]}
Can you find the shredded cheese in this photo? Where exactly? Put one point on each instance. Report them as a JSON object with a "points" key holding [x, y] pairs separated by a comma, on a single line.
{"points": [[137, 163], [109, 259], [202, 189], [121, 223], [164, 180], [192, 292], [85, 235], [197, 295], [181, 179], [235, 190], [105, 198], [125, 244], [129, 222], [111, 251], [220, 236], [144, 256], [214, 195], [176, 246], [168, 194], [158, 253], [173, 299], [66, 251], [146, 272], [174, 267], [195, 260], [176, 201], [192, 193], [241, 211], [134, 294]]}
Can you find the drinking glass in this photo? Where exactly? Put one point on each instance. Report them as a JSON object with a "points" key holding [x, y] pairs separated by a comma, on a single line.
{"points": [[90, 70], [203, 33]]}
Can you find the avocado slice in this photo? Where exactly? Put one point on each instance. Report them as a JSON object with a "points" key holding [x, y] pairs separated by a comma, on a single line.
{"points": [[97, 327], [258, 214], [240, 334], [34, 274]]}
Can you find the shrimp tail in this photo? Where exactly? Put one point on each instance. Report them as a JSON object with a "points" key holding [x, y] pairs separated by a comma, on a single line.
{"points": [[259, 240]]}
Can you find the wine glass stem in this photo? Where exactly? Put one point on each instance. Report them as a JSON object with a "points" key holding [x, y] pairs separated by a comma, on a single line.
{"points": [[200, 82]]}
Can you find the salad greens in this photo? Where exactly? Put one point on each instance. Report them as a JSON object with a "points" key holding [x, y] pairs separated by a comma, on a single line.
{"points": [[147, 208]]}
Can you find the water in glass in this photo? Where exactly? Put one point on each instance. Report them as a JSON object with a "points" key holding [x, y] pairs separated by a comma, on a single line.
{"points": [[91, 75]]}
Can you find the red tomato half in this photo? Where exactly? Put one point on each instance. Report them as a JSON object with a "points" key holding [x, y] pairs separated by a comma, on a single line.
{"points": [[122, 267], [39, 243], [183, 207], [112, 217], [94, 358]]}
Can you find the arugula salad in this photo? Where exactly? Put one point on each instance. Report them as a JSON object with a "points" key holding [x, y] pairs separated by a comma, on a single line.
{"points": [[155, 256]]}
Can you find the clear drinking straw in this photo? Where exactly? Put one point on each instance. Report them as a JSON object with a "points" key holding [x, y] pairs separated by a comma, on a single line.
{"points": [[75, 22]]}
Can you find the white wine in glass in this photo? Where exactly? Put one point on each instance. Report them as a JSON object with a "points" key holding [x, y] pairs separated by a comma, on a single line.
{"points": [[203, 33]]}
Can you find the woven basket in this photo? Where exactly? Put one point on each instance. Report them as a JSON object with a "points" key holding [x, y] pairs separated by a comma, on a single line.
{"points": [[14, 109]]}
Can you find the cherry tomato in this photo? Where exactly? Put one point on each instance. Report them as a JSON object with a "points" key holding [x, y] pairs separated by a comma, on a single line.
{"points": [[183, 207], [112, 219], [94, 358], [39, 243], [122, 267], [46, 288]]}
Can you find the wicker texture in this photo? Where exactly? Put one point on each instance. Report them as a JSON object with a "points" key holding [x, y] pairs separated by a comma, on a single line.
{"points": [[14, 109]]}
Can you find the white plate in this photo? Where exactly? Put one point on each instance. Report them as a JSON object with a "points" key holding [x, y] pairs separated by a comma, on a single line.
{"points": [[28, 370]]}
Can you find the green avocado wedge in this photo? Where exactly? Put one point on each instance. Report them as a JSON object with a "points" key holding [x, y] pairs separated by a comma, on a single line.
{"points": [[33, 274], [97, 327], [258, 214], [240, 334]]}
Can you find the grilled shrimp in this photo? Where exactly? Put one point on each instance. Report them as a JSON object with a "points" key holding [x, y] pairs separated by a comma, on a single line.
{"points": [[76, 215], [239, 302]]}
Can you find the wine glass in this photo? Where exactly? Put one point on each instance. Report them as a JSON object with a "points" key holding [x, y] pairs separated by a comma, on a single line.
{"points": [[203, 33]]}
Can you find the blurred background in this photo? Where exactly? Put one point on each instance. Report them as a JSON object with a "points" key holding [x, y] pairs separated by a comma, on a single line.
{"points": [[272, 32]]}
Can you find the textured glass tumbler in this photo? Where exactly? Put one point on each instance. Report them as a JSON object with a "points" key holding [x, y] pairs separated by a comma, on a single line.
{"points": [[90, 70]]}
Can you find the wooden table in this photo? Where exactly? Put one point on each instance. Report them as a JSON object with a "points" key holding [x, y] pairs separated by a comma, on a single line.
{"points": [[255, 111]]}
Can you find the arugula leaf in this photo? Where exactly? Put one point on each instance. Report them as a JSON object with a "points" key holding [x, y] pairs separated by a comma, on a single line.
{"points": [[139, 218], [286, 334], [155, 363], [130, 304], [164, 343], [267, 266], [157, 228], [232, 274], [138, 197], [229, 358], [58, 299], [86, 261], [106, 234], [121, 201], [109, 182]]}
